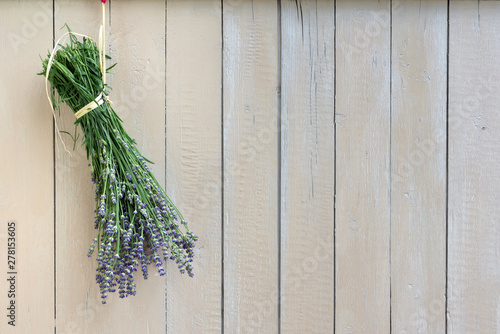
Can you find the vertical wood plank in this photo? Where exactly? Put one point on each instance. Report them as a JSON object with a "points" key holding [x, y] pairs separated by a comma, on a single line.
{"points": [[250, 166], [78, 305], [307, 166], [362, 216], [140, 101], [474, 173], [26, 181], [137, 34], [418, 161], [194, 51]]}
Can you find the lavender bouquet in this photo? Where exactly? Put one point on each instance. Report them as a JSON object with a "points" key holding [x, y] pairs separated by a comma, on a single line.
{"points": [[137, 223]]}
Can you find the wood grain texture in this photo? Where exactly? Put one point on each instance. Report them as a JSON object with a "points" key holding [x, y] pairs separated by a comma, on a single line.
{"points": [[137, 44], [26, 155], [193, 91], [474, 174], [341, 163], [250, 166], [362, 216], [307, 166], [79, 306], [418, 161]]}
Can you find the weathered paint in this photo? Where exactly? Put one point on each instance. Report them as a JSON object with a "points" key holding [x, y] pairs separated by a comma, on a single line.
{"points": [[284, 131], [307, 166]]}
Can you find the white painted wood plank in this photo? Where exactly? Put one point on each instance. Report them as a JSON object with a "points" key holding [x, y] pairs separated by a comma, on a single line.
{"points": [[474, 173], [418, 161], [78, 305], [362, 216], [26, 181], [194, 51], [137, 44], [250, 166], [307, 166], [138, 47]]}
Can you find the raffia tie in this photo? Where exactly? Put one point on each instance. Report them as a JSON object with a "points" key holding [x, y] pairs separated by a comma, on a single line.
{"points": [[101, 98]]}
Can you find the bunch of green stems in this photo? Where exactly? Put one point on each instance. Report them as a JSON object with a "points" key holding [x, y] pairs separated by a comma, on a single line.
{"points": [[137, 223]]}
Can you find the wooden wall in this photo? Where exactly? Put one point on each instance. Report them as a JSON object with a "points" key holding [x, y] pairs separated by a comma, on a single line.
{"points": [[339, 161]]}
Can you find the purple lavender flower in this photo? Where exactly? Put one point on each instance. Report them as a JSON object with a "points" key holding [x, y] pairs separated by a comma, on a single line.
{"points": [[137, 223]]}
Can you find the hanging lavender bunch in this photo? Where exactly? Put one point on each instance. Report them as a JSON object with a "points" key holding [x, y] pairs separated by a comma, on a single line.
{"points": [[137, 223]]}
